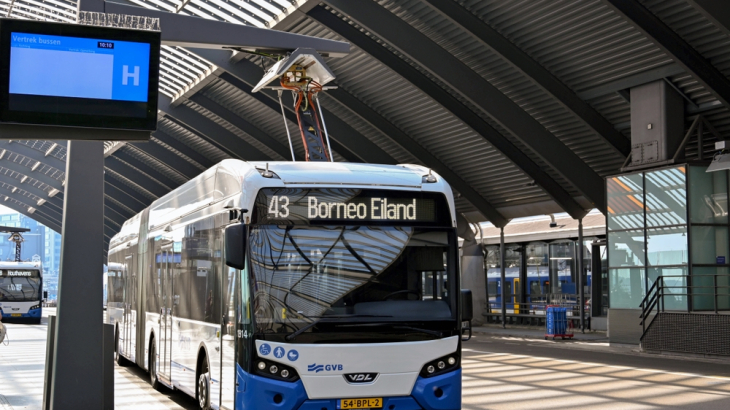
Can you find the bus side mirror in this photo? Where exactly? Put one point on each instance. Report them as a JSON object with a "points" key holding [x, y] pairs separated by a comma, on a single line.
{"points": [[467, 313], [45, 294], [235, 247]]}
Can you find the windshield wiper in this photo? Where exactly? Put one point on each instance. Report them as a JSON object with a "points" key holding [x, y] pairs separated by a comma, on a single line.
{"points": [[311, 325], [397, 326]]}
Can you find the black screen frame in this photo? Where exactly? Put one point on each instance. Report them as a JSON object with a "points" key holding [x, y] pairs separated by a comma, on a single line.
{"points": [[147, 122]]}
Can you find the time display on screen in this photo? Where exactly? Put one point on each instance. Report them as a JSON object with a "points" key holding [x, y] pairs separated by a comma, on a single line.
{"points": [[349, 206], [106, 44]]}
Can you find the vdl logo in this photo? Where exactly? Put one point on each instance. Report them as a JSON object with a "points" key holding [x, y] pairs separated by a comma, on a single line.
{"points": [[321, 367]]}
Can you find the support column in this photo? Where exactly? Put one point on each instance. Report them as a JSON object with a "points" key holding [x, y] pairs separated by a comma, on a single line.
{"points": [[503, 281], [77, 365], [581, 291]]}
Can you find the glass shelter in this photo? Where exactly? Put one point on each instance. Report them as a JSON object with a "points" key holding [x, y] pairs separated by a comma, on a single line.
{"points": [[670, 222]]}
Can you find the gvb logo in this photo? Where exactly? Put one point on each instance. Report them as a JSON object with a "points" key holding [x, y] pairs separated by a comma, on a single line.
{"points": [[324, 367], [126, 75]]}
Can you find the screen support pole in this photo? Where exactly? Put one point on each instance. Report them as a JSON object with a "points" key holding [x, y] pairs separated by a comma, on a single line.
{"points": [[503, 279], [77, 364]]}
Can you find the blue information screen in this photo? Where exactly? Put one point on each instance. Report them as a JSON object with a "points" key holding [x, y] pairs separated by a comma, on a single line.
{"points": [[59, 66]]}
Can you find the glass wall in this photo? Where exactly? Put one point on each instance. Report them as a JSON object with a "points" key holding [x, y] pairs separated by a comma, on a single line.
{"points": [[709, 239], [647, 235]]}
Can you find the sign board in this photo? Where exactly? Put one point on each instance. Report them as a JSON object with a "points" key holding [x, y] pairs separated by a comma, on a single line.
{"points": [[58, 74], [720, 260], [350, 206]]}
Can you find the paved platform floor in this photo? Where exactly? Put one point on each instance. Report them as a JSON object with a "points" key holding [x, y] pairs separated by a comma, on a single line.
{"points": [[501, 371], [22, 364]]}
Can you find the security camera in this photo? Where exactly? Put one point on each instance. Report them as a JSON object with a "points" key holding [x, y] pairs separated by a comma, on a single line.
{"points": [[553, 224]]}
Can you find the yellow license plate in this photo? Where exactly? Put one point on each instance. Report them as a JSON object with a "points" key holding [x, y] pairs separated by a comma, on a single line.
{"points": [[16, 315], [376, 403]]}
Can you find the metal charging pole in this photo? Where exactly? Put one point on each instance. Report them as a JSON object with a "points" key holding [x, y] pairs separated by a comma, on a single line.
{"points": [[503, 281]]}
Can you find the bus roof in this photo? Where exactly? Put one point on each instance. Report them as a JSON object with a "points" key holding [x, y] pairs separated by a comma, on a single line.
{"points": [[19, 265], [240, 181]]}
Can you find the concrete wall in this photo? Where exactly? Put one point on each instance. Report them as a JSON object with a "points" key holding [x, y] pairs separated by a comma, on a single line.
{"points": [[624, 326], [472, 277]]}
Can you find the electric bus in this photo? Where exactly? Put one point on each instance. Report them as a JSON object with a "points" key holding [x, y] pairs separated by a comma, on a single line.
{"points": [[294, 285], [21, 291]]}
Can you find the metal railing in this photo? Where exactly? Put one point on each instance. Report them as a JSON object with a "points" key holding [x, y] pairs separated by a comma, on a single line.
{"points": [[686, 291], [537, 306]]}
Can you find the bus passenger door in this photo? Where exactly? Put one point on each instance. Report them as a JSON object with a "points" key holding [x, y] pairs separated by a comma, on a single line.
{"points": [[166, 314], [228, 339], [128, 289]]}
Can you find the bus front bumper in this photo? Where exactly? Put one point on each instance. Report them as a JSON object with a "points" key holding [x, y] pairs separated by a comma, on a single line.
{"points": [[441, 392]]}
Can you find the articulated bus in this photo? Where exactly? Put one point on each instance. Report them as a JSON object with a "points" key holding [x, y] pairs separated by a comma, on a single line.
{"points": [[294, 285], [21, 291]]}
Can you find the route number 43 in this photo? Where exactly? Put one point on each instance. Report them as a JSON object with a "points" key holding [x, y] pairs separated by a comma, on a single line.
{"points": [[279, 206]]}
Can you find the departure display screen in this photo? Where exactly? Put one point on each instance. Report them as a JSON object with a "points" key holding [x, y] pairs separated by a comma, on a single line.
{"points": [[81, 68], [72, 75], [350, 206]]}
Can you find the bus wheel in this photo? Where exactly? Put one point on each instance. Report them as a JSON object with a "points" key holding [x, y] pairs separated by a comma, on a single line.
{"points": [[203, 388], [154, 382], [121, 360]]}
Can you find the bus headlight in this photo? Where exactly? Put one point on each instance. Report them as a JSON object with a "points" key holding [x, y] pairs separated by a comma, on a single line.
{"points": [[277, 371], [35, 307], [441, 365]]}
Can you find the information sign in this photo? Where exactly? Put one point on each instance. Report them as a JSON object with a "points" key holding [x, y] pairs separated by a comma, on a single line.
{"points": [[81, 76], [350, 206]]}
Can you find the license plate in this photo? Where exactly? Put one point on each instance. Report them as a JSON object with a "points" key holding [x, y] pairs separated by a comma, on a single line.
{"points": [[16, 314], [376, 403]]}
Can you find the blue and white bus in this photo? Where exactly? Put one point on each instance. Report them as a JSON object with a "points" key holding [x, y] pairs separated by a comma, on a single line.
{"points": [[21, 291], [293, 285]]}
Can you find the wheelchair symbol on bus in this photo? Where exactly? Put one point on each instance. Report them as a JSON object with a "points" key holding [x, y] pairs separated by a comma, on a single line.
{"points": [[265, 349]]}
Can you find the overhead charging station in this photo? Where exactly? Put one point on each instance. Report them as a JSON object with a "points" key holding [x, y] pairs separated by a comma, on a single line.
{"points": [[88, 84]]}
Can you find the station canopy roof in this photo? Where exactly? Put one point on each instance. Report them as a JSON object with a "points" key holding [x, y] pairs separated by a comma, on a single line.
{"points": [[523, 106]]}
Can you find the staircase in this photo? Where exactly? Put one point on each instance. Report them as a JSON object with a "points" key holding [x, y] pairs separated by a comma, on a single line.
{"points": [[700, 333]]}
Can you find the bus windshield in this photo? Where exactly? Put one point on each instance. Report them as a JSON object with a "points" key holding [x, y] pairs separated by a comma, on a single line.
{"points": [[302, 274], [19, 285]]}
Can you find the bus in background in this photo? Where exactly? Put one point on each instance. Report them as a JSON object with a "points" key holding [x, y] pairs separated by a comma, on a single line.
{"points": [[21, 291], [295, 285]]}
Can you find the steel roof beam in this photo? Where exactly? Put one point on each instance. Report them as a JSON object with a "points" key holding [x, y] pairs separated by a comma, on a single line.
{"points": [[190, 31], [522, 62], [174, 161], [126, 195], [424, 155], [136, 176], [57, 203], [34, 154], [716, 11], [212, 132], [147, 169], [35, 175], [29, 203], [185, 150], [456, 107], [471, 86], [243, 125], [675, 46], [346, 141], [39, 217]]}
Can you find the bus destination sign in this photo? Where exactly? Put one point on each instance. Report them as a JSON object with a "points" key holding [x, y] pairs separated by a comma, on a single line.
{"points": [[349, 206]]}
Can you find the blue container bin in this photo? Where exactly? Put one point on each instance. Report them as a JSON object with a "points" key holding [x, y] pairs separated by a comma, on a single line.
{"points": [[556, 321]]}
